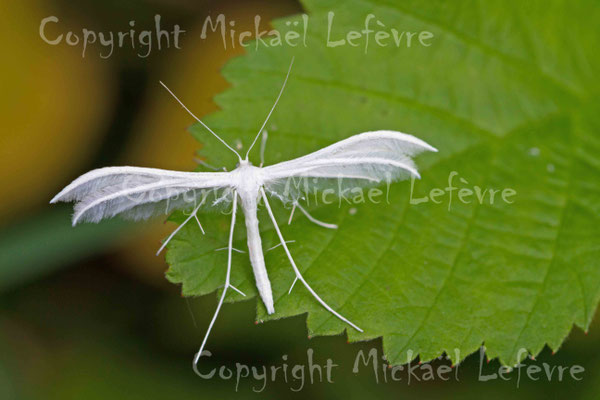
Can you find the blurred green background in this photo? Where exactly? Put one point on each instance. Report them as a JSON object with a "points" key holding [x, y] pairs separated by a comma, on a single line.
{"points": [[86, 312]]}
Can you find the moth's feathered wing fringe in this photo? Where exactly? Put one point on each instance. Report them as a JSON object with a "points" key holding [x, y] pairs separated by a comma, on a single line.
{"points": [[138, 193], [366, 159]]}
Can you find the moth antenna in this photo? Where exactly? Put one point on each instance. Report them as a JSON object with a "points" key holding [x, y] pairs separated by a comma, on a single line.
{"points": [[198, 119], [272, 108], [226, 286], [298, 274]]}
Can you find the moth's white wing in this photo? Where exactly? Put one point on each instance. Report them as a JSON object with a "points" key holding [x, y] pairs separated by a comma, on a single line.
{"points": [[365, 159], [138, 193]]}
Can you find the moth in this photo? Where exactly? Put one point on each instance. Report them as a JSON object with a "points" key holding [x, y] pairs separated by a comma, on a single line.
{"points": [[366, 159]]}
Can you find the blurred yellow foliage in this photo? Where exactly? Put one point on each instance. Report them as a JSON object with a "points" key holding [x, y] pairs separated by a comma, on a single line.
{"points": [[54, 107]]}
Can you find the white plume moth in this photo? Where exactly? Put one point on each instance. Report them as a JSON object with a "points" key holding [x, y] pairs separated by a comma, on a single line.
{"points": [[138, 193]]}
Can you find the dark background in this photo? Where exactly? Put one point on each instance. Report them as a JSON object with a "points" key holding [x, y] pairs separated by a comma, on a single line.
{"points": [[86, 312]]}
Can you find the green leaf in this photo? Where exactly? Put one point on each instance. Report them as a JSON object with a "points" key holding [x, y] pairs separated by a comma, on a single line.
{"points": [[507, 91]]}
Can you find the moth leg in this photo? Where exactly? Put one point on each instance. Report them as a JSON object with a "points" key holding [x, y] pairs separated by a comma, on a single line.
{"points": [[276, 246], [207, 165], [292, 213], [225, 287], [237, 290], [192, 215], [279, 244], [298, 274], [199, 224], [222, 198], [293, 283], [310, 217], [233, 248], [239, 251]]}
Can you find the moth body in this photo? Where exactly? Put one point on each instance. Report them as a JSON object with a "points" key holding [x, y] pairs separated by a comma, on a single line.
{"points": [[248, 180]]}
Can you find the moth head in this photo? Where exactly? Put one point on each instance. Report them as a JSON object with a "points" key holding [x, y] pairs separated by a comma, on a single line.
{"points": [[243, 163]]}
